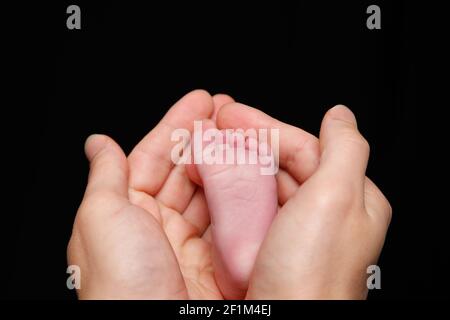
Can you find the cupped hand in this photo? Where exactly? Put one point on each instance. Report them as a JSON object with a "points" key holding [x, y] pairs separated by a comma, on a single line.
{"points": [[333, 220], [139, 232]]}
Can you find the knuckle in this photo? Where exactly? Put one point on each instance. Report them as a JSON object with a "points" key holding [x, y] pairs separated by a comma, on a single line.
{"points": [[333, 198], [93, 202], [385, 207], [388, 211], [70, 250], [364, 143], [358, 140]]}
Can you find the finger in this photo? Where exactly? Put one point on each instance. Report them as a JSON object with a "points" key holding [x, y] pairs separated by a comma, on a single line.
{"points": [[207, 235], [192, 173], [150, 161], [344, 151], [287, 186], [108, 166], [220, 100], [197, 211], [177, 191], [298, 149]]}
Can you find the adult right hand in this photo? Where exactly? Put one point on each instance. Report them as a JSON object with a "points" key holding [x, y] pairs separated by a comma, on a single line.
{"points": [[333, 220]]}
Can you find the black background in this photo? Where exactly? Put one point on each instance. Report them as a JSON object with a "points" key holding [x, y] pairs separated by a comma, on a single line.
{"points": [[129, 63]]}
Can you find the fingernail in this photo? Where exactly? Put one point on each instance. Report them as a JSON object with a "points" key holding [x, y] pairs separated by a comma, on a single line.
{"points": [[341, 112]]}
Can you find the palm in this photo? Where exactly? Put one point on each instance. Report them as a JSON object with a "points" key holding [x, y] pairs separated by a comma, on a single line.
{"points": [[187, 238]]}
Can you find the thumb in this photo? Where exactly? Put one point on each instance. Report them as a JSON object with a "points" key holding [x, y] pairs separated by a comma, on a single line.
{"points": [[108, 166], [344, 151]]}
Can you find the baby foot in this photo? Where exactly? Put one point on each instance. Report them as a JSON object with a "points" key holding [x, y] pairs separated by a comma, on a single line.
{"points": [[242, 203]]}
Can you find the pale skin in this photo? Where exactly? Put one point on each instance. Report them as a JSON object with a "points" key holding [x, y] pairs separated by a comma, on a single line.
{"points": [[142, 229]]}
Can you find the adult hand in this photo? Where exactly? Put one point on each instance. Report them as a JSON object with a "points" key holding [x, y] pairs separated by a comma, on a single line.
{"points": [[140, 229], [332, 221]]}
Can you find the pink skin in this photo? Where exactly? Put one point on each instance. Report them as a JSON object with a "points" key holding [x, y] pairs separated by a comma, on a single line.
{"points": [[242, 204]]}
